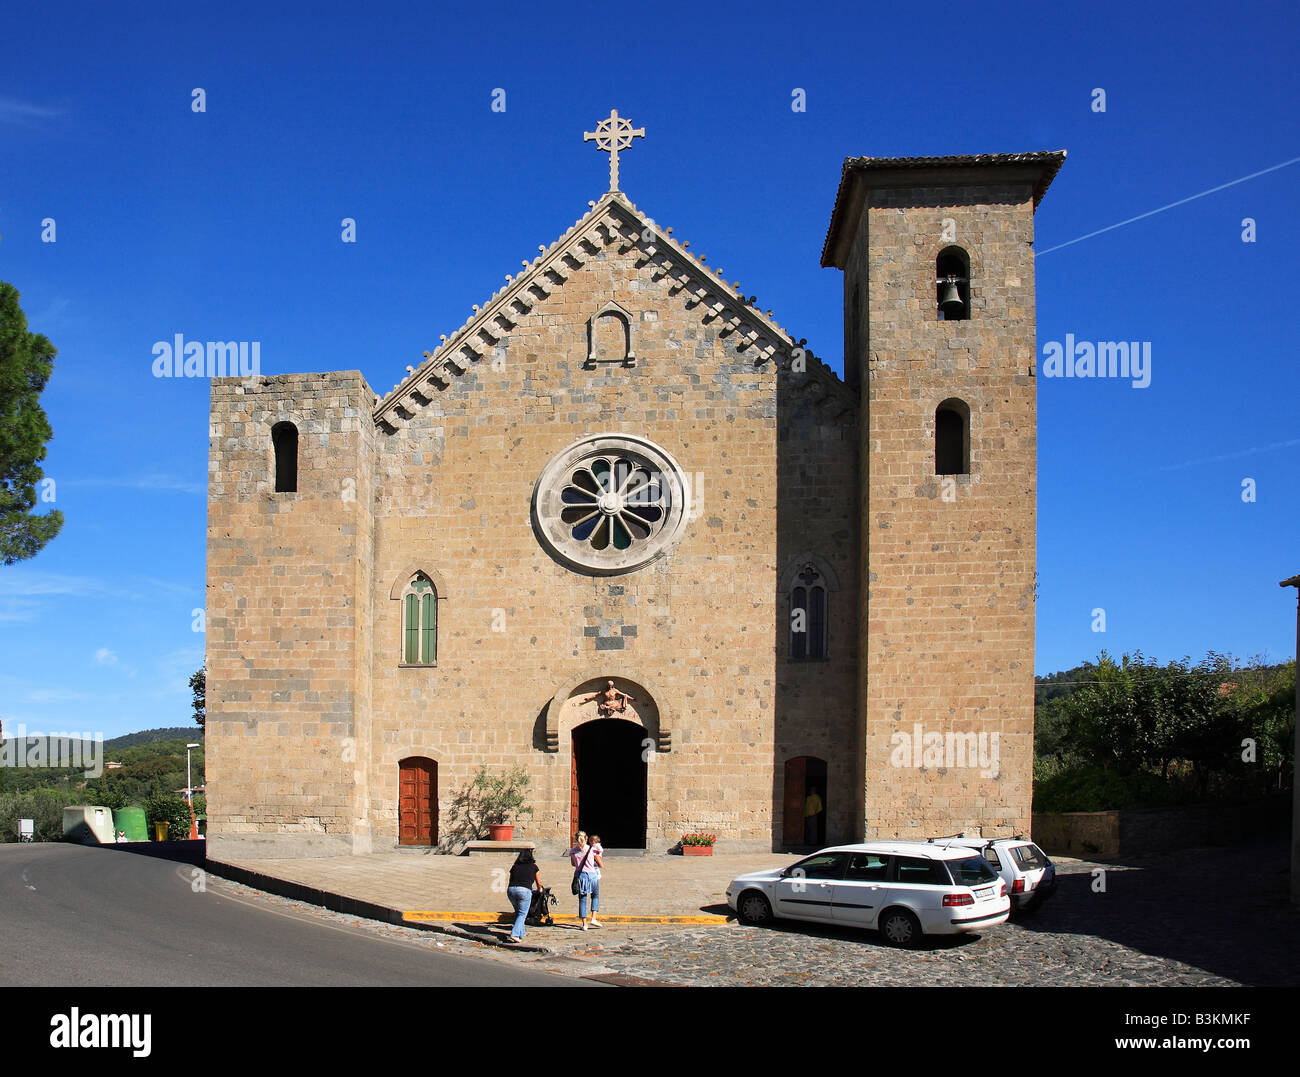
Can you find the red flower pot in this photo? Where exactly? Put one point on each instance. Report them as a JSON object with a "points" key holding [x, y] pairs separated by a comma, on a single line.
{"points": [[697, 850], [501, 831]]}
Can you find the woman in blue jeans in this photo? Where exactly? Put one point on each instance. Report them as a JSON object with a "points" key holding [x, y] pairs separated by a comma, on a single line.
{"points": [[524, 877], [587, 860]]}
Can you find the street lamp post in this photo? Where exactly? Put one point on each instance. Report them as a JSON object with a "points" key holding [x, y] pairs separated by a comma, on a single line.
{"points": [[1294, 581], [189, 792]]}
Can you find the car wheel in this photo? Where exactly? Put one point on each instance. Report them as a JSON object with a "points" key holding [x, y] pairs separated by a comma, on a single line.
{"points": [[899, 927], [754, 908]]}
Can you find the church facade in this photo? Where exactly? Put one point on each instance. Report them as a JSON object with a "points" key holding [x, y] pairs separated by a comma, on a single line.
{"points": [[623, 530]]}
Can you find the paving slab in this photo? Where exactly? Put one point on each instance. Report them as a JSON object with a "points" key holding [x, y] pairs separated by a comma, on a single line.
{"points": [[434, 889]]}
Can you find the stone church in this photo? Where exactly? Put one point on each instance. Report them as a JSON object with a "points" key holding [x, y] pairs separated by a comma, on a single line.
{"points": [[623, 529]]}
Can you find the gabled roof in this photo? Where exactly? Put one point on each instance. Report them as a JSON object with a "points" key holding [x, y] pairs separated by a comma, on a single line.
{"points": [[861, 173], [612, 221]]}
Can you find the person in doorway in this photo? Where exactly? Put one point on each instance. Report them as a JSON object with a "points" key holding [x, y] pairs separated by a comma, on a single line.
{"points": [[586, 862], [525, 877], [812, 811]]}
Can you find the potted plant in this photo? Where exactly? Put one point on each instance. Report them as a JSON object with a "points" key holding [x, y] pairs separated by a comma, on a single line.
{"points": [[698, 844], [499, 798]]}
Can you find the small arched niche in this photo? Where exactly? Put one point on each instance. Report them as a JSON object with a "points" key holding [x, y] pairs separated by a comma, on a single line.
{"points": [[609, 336], [952, 437], [284, 443]]}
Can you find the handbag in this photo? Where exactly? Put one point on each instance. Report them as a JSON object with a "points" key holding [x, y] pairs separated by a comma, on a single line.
{"points": [[577, 873]]}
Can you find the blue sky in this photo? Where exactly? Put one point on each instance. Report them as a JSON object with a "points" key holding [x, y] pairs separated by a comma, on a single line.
{"points": [[225, 225]]}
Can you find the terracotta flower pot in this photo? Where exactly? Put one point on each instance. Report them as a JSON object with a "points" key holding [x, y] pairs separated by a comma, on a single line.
{"points": [[697, 850], [501, 831]]}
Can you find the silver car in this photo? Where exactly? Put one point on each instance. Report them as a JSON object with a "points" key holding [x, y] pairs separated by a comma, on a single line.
{"points": [[905, 890], [1028, 872]]}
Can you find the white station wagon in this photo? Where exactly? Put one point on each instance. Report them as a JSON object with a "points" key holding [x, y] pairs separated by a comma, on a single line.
{"points": [[903, 889]]}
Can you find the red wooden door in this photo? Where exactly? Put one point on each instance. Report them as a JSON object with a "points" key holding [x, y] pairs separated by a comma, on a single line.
{"points": [[795, 774], [573, 795], [417, 802]]}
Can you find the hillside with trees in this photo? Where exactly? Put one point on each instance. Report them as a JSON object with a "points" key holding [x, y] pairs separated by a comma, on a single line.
{"points": [[152, 770], [1134, 733]]}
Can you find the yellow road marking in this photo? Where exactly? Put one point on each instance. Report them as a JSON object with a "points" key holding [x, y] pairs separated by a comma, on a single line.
{"points": [[417, 915]]}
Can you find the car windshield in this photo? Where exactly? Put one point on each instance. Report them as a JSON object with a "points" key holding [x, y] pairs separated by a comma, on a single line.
{"points": [[973, 871], [1029, 857]]}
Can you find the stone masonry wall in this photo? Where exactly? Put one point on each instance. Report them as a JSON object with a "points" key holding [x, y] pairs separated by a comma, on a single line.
{"points": [[817, 519], [700, 628], [287, 639], [948, 611]]}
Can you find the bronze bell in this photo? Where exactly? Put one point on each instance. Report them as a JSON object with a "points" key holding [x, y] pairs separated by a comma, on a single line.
{"points": [[950, 301]]}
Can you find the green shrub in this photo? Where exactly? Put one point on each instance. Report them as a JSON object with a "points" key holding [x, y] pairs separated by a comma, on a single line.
{"points": [[43, 806], [171, 809], [1093, 788]]}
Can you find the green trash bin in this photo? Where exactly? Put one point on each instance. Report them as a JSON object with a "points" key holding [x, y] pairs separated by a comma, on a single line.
{"points": [[131, 821]]}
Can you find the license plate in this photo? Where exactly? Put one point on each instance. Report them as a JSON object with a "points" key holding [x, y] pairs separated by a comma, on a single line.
{"points": [[984, 893]]}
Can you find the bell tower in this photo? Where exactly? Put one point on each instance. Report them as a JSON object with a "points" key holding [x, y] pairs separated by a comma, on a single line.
{"points": [[288, 656], [939, 340]]}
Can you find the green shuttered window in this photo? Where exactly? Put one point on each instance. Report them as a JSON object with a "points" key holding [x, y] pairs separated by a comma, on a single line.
{"points": [[420, 623]]}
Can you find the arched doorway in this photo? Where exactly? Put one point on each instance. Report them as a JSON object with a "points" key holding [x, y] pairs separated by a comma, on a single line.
{"points": [[417, 802], [608, 789], [805, 776]]}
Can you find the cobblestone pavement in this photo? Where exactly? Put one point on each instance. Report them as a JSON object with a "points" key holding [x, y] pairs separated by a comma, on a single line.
{"points": [[1203, 918], [1212, 917]]}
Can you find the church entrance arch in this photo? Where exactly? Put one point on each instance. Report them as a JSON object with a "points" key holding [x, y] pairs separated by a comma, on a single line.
{"points": [[417, 802], [805, 790], [608, 788]]}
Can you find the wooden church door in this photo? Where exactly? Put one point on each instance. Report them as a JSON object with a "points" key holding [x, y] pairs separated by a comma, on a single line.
{"points": [[795, 771], [417, 802], [573, 795], [803, 775]]}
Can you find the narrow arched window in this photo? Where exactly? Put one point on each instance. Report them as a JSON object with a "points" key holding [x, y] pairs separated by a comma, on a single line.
{"points": [[799, 622], [952, 284], [952, 438], [284, 438], [420, 622], [808, 615]]}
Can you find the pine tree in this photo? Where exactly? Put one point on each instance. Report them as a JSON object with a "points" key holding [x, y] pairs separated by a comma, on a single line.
{"points": [[26, 360], [198, 685]]}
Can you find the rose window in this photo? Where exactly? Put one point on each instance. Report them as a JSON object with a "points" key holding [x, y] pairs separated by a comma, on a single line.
{"points": [[610, 504]]}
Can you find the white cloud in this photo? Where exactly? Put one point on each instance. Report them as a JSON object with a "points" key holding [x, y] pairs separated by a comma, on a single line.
{"points": [[105, 657], [142, 482], [58, 695], [1255, 451], [19, 609], [24, 114], [17, 585], [35, 582]]}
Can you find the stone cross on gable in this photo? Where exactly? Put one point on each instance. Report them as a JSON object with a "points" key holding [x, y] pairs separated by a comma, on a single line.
{"points": [[612, 135]]}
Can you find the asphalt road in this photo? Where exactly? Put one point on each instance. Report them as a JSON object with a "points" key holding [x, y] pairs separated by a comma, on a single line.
{"points": [[74, 916]]}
